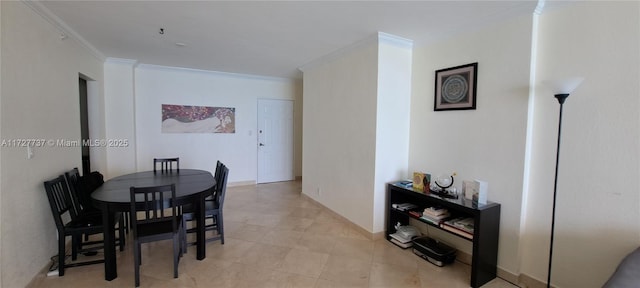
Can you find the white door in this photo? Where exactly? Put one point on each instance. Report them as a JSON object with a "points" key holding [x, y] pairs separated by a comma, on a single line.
{"points": [[275, 140]]}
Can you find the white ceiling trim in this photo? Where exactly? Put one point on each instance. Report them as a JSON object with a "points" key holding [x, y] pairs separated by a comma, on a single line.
{"points": [[219, 73], [373, 39], [121, 61], [64, 29], [395, 40]]}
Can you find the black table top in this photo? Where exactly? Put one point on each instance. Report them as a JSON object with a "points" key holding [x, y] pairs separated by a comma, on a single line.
{"points": [[189, 182]]}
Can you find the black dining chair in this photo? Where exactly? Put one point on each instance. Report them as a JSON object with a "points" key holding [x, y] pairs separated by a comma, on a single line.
{"points": [[213, 206], [79, 189], [154, 223], [166, 164], [69, 223]]}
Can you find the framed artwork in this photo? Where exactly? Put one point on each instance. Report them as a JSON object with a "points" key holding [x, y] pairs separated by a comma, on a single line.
{"points": [[456, 88], [198, 119]]}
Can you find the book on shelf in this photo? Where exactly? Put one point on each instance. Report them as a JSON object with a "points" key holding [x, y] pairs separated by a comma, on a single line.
{"points": [[435, 211], [415, 214], [404, 206], [462, 223], [455, 230], [405, 183], [435, 220]]}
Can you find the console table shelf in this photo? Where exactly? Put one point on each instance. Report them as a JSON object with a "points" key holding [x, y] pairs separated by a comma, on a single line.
{"points": [[486, 225]]}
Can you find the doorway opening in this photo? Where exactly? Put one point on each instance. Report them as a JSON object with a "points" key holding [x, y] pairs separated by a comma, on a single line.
{"points": [[84, 125]]}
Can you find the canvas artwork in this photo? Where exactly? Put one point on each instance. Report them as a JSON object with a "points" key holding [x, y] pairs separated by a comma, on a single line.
{"points": [[456, 88], [198, 119]]}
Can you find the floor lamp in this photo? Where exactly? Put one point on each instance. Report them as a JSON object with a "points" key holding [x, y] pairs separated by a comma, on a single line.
{"points": [[563, 89]]}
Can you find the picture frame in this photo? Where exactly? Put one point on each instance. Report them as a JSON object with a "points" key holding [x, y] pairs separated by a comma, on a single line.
{"points": [[456, 87]]}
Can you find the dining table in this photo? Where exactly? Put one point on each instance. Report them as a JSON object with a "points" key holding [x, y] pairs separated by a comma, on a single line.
{"points": [[192, 187]]}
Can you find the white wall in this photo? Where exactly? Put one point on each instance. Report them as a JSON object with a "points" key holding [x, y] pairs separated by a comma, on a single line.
{"points": [[487, 143], [392, 119], [119, 107], [356, 117], [156, 85], [598, 202], [340, 107], [39, 100]]}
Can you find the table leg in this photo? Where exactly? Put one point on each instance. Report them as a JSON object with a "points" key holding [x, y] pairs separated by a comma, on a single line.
{"points": [[109, 242], [200, 233]]}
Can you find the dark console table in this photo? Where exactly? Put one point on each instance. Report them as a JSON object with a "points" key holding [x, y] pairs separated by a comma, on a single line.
{"points": [[486, 225]]}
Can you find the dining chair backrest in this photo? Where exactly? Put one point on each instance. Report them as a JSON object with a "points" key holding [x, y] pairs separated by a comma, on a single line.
{"points": [[74, 225], [59, 200], [221, 184], [156, 224], [73, 182], [154, 202], [81, 188], [214, 189], [166, 164]]}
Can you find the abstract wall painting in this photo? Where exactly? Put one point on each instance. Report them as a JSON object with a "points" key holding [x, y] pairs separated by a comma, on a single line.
{"points": [[198, 119]]}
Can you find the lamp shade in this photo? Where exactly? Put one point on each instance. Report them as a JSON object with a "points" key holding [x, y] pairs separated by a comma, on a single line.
{"points": [[564, 86]]}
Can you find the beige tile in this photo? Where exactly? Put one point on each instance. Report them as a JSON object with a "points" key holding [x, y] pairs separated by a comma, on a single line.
{"points": [[290, 280], [308, 213], [354, 248], [346, 271], [232, 250], [276, 238], [385, 252], [454, 275], [323, 283], [284, 238], [316, 243], [265, 256], [294, 224], [326, 228], [385, 275], [243, 275], [304, 262], [266, 220]]}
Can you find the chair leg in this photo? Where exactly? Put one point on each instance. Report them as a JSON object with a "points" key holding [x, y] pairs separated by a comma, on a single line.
{"points": [[220, 225], [184, 236], [76, 241], [121, 236], [136, 263], [61, 256], [176, 254]]}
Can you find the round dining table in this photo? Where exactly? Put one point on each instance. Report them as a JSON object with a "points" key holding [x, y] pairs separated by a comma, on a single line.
{"points": [[192, 186]]}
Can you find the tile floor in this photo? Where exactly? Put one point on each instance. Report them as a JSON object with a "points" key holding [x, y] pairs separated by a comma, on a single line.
{"points": [[276, 238]]}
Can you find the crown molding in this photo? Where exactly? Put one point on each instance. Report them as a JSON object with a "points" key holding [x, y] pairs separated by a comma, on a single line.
{"points": [[376, 39], [218, 73], [64, 29], [395, 40], [124, 61], [539, 7]]}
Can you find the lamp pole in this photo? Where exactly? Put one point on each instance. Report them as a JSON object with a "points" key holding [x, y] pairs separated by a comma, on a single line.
{"points": [[561, 98]]}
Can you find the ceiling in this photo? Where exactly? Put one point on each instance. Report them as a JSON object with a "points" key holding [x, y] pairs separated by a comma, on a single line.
{"points": [[265, 38]]}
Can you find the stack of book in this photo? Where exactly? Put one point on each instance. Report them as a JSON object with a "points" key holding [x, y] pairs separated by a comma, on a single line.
{"points": [[463, 226], [435, 215], [404, 206], [402, 242], [405, 184]]}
